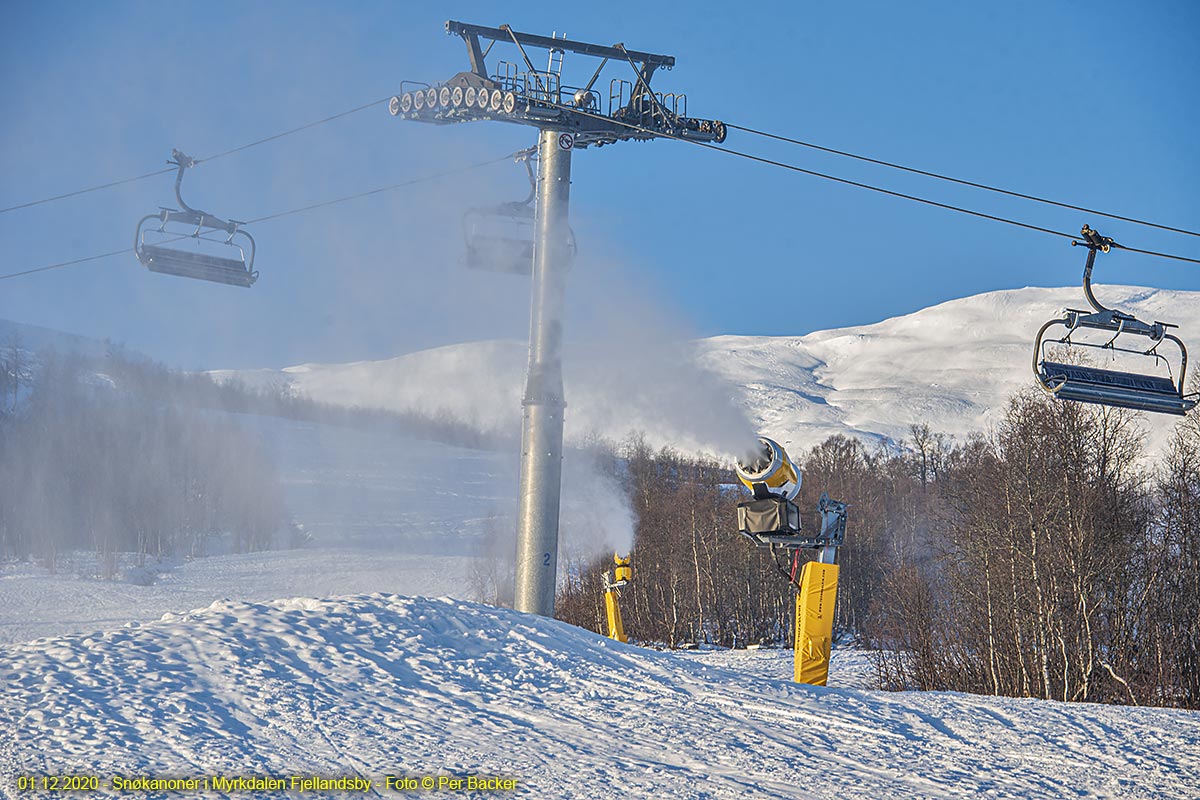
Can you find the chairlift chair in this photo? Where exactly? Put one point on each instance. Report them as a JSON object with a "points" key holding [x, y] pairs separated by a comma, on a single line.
{"points": [[500, 238], [1087, 384], [208, 265]]}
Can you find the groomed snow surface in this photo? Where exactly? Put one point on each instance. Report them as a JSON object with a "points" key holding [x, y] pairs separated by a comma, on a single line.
{"points": [[103, 677], [371, 685]]}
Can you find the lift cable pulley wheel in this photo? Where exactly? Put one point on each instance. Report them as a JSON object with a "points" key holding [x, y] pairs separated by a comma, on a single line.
{"points": [[210, 261], [1088, 384]]}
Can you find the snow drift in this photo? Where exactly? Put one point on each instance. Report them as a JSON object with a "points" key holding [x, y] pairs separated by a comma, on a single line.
{"points": [[369, 685]]}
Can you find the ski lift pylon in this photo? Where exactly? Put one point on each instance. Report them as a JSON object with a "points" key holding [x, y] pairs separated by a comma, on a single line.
{"points": [[500, 238], [1087, 384], [193, 224]]}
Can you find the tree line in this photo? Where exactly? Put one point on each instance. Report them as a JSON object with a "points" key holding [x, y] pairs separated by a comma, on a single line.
{"points": [[114, 453], [88, 465], [1047, 558]]}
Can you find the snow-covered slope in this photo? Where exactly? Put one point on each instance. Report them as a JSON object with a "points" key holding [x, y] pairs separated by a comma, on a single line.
{"points": [[370, 685], [952, 366], [381, 512], [33, 338]]}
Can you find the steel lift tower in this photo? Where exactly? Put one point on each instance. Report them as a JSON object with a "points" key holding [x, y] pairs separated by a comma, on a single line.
{"points": [[567, 118]]}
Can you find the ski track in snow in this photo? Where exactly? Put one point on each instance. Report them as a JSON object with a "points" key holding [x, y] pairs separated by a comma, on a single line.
{"points": [[378, 684]]}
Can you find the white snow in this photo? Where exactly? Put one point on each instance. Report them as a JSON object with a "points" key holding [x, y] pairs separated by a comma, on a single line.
{"points": [[371, 685], [365, 681], [385, 513], [952, 366]]}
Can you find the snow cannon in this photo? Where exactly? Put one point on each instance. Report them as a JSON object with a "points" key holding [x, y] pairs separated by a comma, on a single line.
{"points": [[614, 579], [771, 519], [767, 471], [622, 572]]}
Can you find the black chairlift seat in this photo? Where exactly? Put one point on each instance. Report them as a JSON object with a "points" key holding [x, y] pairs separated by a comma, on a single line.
{"points": [[230, 271], [500, 238], [1112, 388]]}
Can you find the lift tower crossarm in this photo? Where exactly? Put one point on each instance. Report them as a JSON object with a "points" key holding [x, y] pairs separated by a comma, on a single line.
{"points": [[537, 98], [476, 32]]}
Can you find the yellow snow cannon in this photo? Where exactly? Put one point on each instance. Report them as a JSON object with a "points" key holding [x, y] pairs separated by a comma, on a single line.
{"points": [[767, 470], [622, 572], [771, 518], [614, 579]]}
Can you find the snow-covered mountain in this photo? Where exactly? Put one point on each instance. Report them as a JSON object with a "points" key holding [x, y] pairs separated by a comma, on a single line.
{"points": [[31, 339], [952, 366], [362, 687]]}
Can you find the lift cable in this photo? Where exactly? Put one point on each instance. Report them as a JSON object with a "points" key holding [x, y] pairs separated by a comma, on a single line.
{"points": [[166, 170], [304, 127], [848, 182], [85, 191], [67, 263], [270, 217], [960, 181]]}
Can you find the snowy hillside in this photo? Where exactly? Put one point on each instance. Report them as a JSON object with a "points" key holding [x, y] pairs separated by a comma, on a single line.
{"points": [[32, 339], [952, 366], [371, 685], [382, 512]]}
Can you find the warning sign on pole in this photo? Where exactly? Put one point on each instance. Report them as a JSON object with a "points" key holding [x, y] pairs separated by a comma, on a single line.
{"points": [[566, 141]]}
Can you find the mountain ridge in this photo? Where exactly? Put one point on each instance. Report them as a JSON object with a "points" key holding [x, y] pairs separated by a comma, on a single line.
{"points": [[952, 366]]}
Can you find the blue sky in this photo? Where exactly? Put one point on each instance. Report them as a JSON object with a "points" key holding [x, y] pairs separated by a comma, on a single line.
{"points": [[1092, 103]]}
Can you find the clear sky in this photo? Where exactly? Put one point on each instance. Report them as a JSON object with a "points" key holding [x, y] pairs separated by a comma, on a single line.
{"points": [[1094, 103]]}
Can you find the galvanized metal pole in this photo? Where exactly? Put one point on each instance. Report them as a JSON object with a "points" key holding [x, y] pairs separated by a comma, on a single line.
{"points": [[542, 434]]}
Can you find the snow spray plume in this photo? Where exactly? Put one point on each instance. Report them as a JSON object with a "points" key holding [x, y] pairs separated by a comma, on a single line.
{"points": [[632, 368], [596, 517]]}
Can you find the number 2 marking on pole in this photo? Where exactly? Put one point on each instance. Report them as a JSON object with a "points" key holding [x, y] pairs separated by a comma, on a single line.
{"points": [[566, 141], [545, 559]]}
